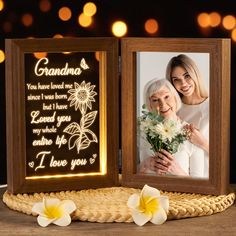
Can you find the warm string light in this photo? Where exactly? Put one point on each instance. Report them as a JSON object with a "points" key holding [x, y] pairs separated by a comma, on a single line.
{"points": [[2, 56], [45, 5], [57, 36], [203, 20], [64, 13], [97, 55], [1, 5], [40, 55], [7, 26], [233, 35], [151, 26], [119, 28], [214, 19], [229, 22], [89, 9], [85, 18], [27, 19], [84, 21]]}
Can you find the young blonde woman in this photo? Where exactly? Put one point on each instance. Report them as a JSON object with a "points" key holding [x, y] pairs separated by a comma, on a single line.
{"points": [[183, 73], [161, 96]]}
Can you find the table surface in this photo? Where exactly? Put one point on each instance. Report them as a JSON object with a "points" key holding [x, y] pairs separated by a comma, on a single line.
{"points": [[15, 223]]}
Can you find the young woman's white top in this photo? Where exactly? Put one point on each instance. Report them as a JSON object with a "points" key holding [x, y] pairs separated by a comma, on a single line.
{"points": [[199, 116]]}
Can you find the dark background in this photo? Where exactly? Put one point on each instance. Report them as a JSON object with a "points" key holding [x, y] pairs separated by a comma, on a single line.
{"points": [[175, 18]]}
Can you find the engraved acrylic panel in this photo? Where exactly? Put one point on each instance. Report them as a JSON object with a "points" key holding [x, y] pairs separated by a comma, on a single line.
{"points": [[62, 114]]}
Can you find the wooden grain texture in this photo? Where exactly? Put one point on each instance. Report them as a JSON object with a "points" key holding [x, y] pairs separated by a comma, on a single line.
{"points": [[15, 223], [219, 52], [15, 112]]}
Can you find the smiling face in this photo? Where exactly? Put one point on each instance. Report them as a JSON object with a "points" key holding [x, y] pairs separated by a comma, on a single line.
{"points": [[182, 81], [164, 102]]}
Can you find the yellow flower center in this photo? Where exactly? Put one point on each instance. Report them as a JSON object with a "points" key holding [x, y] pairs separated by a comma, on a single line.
{"points": [[53, 212], [148, 205]]}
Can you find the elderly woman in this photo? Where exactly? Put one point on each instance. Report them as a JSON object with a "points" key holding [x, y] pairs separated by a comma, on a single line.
{"points": [[161, 96]]}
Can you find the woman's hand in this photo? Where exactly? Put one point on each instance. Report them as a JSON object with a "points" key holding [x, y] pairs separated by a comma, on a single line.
{"points": [[162, 164], [197, 138], [168, 164], [148, 164], [153, 164]]}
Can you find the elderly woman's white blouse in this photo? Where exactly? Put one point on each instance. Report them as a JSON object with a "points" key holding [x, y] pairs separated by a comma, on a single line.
{"points": [[199, 116], [189, 157]]}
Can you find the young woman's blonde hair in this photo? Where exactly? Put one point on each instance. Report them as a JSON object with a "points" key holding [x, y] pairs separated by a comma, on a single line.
{"points": [[189, 65], [154, 85]]}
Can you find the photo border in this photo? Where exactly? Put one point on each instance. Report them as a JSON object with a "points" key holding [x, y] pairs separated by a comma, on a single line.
{"points": [[15, 113], [219, 136]]}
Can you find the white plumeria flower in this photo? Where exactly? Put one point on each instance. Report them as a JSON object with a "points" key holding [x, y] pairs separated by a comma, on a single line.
{"points": [[52, 210], [148, 206], [168, 129]]}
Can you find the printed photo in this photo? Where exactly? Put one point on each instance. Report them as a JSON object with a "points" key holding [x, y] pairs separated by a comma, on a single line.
{"points": [[173, 114]]}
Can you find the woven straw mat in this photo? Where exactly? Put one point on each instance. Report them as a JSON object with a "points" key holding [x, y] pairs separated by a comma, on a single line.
{"points": [[109, 204]]}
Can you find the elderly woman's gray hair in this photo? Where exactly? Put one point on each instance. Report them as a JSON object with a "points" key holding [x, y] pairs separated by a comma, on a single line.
{"points": [[154, 86]]}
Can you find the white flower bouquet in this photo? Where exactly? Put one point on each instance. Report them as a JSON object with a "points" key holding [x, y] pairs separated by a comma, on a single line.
{"points": [[162, 133]]}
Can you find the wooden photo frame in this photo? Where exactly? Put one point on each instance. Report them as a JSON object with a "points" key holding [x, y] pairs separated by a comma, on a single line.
{"points": [[61, 105], [218, 51]]}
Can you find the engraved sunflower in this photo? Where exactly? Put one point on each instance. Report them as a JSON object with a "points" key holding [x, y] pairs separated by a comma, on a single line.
{"points": [[82, 96]]}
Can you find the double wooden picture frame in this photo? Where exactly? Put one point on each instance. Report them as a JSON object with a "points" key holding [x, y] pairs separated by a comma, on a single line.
{"points": [[217, 53], [63, 111]]}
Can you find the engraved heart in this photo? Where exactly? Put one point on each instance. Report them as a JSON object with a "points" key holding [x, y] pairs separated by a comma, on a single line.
{"points": [[94, 156], [31, 164], [91, 160]]}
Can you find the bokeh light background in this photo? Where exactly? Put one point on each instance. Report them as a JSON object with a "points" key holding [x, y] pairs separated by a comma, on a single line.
{"points": [[116, 18]]}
